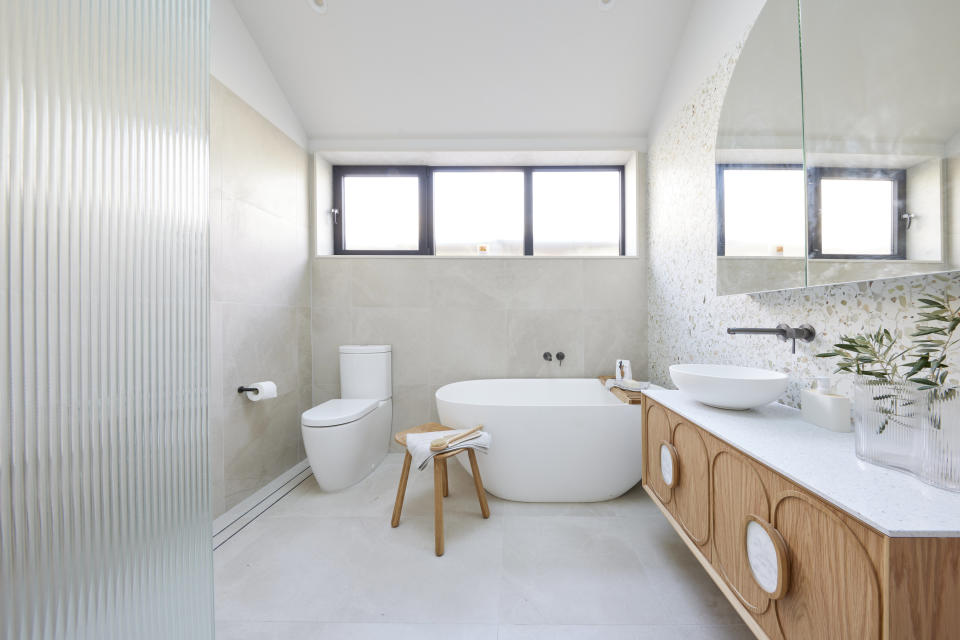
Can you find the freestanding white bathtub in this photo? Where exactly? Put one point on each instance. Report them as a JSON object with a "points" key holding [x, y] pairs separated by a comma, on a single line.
{"points": [[553, 440]]}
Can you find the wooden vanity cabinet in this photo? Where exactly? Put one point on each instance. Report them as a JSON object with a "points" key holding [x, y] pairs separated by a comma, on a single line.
{"points": [[677, 458], [838, 578]]}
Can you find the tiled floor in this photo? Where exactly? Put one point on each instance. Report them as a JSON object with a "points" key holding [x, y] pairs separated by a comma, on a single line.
{"points": [[321, 565]]}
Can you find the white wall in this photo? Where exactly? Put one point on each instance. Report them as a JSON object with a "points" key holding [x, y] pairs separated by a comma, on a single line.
{"points": [[714, 27], [236, 61], [322, 203]]}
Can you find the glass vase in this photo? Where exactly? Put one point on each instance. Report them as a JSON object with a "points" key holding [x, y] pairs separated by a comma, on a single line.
{"points": [[939, 461], [886, 423]]}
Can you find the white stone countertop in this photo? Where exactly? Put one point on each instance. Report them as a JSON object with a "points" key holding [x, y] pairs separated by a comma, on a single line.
{"points": [[824, 462]]}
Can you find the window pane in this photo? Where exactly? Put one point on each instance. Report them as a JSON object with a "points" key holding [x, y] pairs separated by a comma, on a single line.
{"points": [[576, 213], [856, 216], [381, 213], [478, 213], [764, 212]]}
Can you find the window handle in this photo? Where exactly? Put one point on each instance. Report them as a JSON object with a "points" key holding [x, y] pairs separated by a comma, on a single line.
{"points": [[908, 217], [336, 214]]}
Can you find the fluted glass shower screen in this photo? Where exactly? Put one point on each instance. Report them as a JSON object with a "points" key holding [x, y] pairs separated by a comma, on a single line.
{"points": [[104, 517]]}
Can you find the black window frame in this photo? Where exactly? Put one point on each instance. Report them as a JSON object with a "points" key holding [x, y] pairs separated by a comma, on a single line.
{"points": [[898, 223], [813, 177], [425, 244], [721, 230], [425, 174]]}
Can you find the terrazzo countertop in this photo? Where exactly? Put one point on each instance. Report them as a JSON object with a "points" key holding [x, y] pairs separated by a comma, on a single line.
{"points": [[824, 463]]}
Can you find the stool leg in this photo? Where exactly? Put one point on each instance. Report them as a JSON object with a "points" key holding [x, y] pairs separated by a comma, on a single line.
{"points": [[446, 481], [481, 494], [401, 490], [438, 505]]}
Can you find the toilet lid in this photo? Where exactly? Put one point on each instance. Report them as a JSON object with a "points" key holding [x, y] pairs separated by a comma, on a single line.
{"points": [[334, 412]]}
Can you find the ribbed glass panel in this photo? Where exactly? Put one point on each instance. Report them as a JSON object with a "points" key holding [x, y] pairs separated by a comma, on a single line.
{"points": [[104, 519]]}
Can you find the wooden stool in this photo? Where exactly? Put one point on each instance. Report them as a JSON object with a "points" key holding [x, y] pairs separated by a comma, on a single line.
{"points": [[440, 486]]}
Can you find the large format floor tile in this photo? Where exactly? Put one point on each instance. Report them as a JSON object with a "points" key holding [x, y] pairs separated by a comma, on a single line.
{"points": [[319, 565]]}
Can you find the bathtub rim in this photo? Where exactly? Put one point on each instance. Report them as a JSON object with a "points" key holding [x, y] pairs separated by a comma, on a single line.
{"points": [[612, 401]]}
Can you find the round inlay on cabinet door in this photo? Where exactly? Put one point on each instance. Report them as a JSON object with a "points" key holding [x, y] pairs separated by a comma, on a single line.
{"points": [[767, 556], [669, 464]]}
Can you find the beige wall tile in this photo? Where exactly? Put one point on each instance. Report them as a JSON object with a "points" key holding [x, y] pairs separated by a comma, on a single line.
{"points": [[330, 329], [467, 344], [469, 284], [260, 343], [545, 284], [258, 162], [260, 258], [260, 286], [608, 336], [331, 284], [613, 284], [263, 441], [407, 330], [324, 392], [412, 405], [534, 331], [390, 283]]}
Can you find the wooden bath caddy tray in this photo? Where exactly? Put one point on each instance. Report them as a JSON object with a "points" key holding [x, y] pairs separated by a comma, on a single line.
{"points": [[630, 397]]}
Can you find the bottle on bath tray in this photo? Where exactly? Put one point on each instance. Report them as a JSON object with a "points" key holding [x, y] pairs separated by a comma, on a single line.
{"points": [[822, 406], [624, 372]]}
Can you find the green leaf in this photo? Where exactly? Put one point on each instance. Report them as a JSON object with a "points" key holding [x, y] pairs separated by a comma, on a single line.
{"points": [[924, 331]]}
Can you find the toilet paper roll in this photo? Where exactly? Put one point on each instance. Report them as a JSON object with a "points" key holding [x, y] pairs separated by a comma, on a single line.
{"points": [[265, 389]]}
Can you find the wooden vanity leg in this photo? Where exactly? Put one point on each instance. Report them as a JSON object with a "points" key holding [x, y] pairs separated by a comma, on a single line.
{"points": [[438, 505], [401, 490], [481, 494]]}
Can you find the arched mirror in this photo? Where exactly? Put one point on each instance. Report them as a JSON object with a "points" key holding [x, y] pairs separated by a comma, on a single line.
{"points": [[761, 228], [877, 195]]}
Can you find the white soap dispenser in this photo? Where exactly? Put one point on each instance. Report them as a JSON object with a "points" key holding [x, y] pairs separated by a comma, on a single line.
{"points": [[823, 407]]}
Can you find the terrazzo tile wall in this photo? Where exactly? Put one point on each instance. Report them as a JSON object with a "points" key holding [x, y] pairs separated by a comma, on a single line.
{"points": [[687, 320]]}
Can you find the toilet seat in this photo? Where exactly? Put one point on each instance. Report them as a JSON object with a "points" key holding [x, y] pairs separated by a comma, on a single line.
{"points": [[336, 412]]}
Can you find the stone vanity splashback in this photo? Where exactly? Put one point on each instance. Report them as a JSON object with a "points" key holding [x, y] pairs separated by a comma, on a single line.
{"points": [[687, 320]]}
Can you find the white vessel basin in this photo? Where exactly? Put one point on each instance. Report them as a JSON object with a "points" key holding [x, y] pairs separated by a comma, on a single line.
{"points": [[727, 386]]}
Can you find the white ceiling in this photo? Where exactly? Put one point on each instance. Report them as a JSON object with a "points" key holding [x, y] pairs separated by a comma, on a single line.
{"points": [[409, 74]]}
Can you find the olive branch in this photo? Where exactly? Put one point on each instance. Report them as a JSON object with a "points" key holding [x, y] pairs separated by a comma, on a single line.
{"points": [[880, 356]]}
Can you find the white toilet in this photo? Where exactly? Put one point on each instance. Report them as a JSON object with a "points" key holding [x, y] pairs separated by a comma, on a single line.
{"points": [[347, 438]]}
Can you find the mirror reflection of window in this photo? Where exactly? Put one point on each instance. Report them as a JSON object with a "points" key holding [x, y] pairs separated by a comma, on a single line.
{"points": [[856, 214], [761, 210]]}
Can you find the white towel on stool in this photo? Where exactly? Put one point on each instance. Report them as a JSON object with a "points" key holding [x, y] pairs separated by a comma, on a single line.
{"points": [[418, 444]]}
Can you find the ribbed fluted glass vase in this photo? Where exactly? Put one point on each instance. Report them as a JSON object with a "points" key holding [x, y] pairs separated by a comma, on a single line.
{"points": [[886, 422], [939, 462]]}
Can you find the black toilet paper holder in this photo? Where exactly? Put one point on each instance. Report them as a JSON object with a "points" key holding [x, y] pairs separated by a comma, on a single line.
{"points": [[242, 389]]}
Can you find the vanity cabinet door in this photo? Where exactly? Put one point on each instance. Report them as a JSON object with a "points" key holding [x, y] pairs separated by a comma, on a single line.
{"points": [[820, 566], [738, 492], [834, 587], [691, 495], [659, 456]]}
